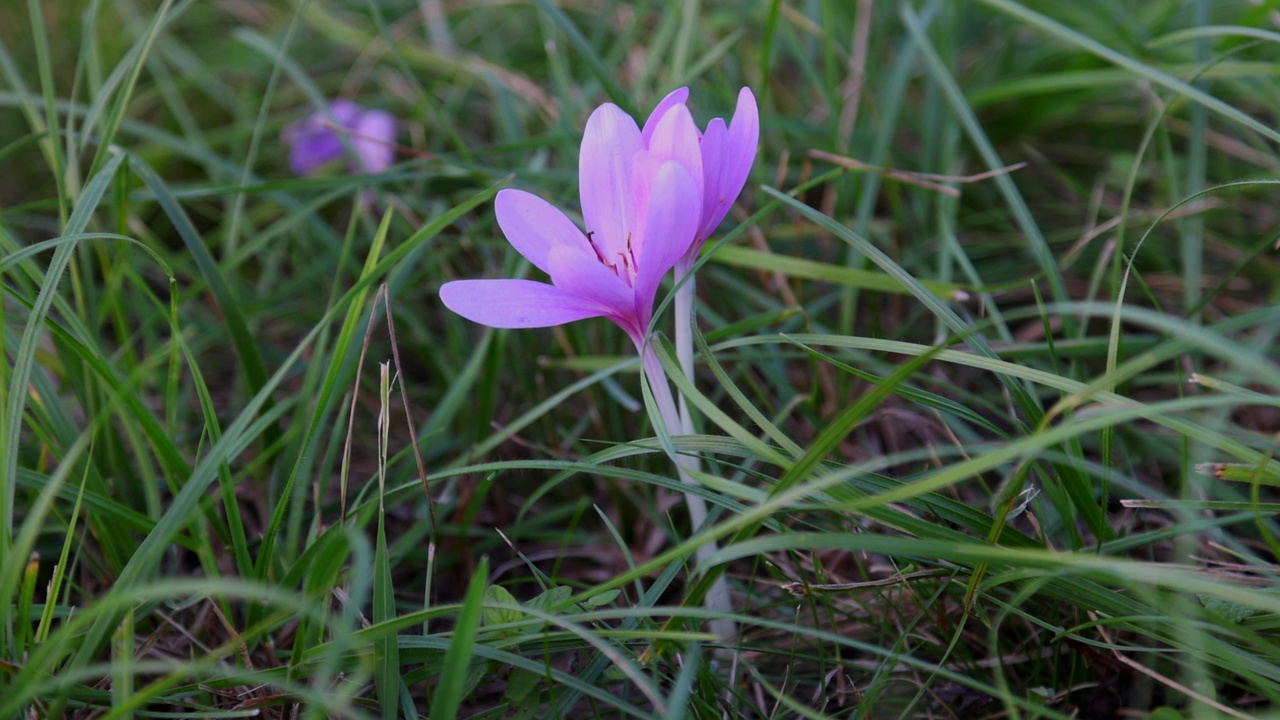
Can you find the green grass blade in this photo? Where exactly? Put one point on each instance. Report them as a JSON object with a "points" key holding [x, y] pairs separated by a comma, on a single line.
{"points": [[121, 100], [230, 504], [740, 399], [941, 74], [386, 650], [60, 569], [588, 54], [449, 692], [738, 256], [344, 344], [53, 148], [1066, 34], [24, 362], [242, 339]]}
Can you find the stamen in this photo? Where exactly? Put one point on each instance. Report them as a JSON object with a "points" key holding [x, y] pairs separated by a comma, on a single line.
{"points": [[599, 255], [629, 263], [628, 259], [635, 266]]}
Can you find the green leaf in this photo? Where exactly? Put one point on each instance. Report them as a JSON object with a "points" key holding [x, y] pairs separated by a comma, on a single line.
{"points": [[520, 685], [551, 599], [500, 606], [603, 598], [1226, 609]]}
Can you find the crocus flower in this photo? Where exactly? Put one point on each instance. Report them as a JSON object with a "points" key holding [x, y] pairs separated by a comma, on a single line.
{"points": [[316, 141], [727, 153], [642, 205], [649, 198]]}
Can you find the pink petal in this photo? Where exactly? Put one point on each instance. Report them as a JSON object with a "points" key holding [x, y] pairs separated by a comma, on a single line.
{"points": [[373, 137], [314, 141], [675, 209], [644, 171], [535, 227], [675, 138], [714, 206], [311, 146], [344, 111], [516, 303], [676, 97], [609, 142], [737, 157]]}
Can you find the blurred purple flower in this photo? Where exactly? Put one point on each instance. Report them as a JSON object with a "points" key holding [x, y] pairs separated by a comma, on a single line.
{"points": [[728, 152], [642, 204], [315, 141]]}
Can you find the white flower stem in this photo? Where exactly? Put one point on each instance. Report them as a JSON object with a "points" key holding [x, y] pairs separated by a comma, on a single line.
{"points": [[684, 334], [718, 598]]}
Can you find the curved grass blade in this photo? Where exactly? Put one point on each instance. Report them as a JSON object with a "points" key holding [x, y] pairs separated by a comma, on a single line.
{"points": [[740, 399], [242, 339], [121, 99], [941, 74], [1088, 44], [588, 53], [24, 357], [51, 146], [243, 430], [346, 335], [1077, 483], [925, 398], [744, 257]]}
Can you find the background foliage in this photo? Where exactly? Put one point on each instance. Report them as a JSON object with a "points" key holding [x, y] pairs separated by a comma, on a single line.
{"points": [[987, 394]]}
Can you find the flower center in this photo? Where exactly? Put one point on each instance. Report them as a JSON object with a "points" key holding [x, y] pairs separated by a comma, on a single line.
{"points": [[626, 259]]}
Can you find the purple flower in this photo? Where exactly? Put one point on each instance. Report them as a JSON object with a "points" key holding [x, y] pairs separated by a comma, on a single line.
{"points": [[642, 203], [315, 141], [727, 151]]}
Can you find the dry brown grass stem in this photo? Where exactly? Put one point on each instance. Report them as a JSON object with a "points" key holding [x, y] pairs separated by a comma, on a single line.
{"points": [[928, 181]]}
